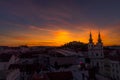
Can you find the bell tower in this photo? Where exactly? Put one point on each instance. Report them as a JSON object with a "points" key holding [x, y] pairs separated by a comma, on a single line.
{"points": [[90, 46], [99, 47], [95, 53]]}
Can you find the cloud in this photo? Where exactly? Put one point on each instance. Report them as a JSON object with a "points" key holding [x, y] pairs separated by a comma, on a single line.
{"points": [[41, 29], [52, 21]]}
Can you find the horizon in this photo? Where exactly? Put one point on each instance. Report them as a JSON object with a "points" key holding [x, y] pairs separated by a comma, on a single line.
{"points": [[52, 45], [54, 23]]}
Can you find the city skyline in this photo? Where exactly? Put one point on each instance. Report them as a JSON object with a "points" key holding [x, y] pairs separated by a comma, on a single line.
{"points": [[55, 22]]}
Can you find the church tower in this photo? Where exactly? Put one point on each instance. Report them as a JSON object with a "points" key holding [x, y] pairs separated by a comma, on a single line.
{"points": [[90, 46], [99, 40], [95, 52], [99, 47]]}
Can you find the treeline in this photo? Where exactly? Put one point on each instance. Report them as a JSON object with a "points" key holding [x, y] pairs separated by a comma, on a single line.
{"points": [[75, 45]]}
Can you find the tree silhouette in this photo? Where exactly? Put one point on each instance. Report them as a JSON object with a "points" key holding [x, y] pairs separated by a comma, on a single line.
{"points": [[75, 45]]}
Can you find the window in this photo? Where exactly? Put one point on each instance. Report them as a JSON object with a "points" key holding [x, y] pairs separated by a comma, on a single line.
{"points": [[96, 54], [118, 77], [113, 69], [112, 64], [97, 64], [117, 71], [116, 65]]}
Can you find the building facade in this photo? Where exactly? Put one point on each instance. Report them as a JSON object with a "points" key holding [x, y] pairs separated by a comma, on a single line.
{"points": [[95, 53]]}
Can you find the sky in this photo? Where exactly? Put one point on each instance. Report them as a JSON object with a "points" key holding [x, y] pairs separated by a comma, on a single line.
{"points": [[55, 22]]}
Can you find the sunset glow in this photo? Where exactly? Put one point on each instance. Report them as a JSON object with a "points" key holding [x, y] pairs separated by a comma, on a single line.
{"points": [[54, 23]]}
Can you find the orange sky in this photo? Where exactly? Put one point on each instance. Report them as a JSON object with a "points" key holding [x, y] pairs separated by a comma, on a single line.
{"points": [[55, 22], [50, 37]]}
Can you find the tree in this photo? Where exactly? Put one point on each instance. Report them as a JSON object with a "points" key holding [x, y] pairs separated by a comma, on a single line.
{"points": [[75, 45]]}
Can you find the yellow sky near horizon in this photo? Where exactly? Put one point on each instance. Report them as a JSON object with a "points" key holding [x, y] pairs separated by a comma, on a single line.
{"points": [[60, 37]]}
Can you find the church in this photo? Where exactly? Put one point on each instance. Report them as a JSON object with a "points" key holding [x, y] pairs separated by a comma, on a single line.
{"points": [[95, 53]]}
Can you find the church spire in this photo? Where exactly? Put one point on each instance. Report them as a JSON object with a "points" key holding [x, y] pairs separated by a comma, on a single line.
{"points": [[90, 39], [99, 38]]}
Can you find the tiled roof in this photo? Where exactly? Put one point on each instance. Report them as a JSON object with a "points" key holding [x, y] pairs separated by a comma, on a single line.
{"points": [[5, 57], [60, 75], [28, 67], [27, 55]]}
